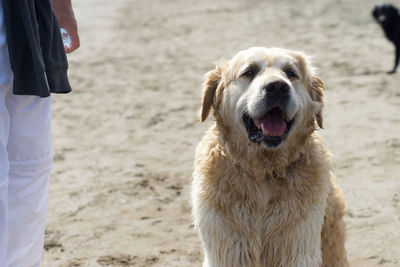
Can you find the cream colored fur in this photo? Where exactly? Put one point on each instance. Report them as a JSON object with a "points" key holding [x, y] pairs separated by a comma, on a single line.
{"points": [[257, 206]]}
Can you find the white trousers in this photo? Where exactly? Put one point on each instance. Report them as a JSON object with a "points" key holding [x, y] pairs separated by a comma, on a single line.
{"points": [[25, 162]]}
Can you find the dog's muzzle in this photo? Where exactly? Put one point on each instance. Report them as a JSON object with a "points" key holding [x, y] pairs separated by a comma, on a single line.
{"points": [[271, 125]]}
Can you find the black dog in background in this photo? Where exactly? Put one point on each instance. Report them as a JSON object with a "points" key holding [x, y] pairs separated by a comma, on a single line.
{"points": [[388, 17]]}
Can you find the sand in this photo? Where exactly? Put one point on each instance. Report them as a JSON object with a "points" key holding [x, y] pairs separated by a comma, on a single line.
{"points": [[124, 139]]}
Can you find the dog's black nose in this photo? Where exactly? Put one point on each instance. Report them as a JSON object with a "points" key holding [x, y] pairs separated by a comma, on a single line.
{"points": [[277, 86]]}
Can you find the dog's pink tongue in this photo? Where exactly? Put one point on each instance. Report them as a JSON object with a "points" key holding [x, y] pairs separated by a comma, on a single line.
{"points": [[272, 124]]}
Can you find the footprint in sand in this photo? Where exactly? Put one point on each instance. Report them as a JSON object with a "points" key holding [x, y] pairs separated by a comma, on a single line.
{"points": [[396, 204]]}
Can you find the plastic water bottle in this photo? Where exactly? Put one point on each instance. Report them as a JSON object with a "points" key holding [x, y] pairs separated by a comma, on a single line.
{"points": [[65, 37]]}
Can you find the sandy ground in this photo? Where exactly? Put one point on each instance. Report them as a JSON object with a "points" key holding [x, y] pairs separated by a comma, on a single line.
{"points": [[124, 139]]}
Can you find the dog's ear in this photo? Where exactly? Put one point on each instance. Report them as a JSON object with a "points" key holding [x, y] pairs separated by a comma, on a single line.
{"points": [[317, 95], [213, 80], [316, 86]]}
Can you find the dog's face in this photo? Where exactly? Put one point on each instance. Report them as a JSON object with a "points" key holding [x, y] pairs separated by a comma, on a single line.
{"points": [[384, 13], [264, 95]]}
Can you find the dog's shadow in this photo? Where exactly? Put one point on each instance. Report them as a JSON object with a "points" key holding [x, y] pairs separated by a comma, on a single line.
{"points": [[377, 72]]}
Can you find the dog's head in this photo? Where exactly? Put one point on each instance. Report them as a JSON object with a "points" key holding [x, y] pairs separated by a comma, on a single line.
{"points": [[265, 96], [385, 13]]}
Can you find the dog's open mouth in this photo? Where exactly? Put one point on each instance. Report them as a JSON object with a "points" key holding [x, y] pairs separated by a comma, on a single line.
{"points": [[271, 129]]}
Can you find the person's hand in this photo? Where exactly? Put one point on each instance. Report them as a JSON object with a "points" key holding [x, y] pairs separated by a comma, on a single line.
{"points": [[66, 19]]}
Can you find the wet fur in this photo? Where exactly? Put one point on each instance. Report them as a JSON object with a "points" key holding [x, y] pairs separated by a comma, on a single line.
{"points": [[266, 207]]}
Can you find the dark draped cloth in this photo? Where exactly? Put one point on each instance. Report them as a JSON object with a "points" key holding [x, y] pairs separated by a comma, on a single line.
{"points": [[35, 46]]}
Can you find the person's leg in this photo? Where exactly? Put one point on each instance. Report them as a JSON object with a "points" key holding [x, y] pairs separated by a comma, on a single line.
{"points": [[5, 86], [30, 158], [25, 163], [4, 128]]}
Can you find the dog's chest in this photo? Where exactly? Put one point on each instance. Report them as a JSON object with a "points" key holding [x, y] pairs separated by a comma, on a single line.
{"points": [[266, 229], [261, 209], [251, 208]]}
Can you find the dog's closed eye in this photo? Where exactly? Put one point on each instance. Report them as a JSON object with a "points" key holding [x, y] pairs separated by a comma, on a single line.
{"points": [[291, 74], [250, 72]]}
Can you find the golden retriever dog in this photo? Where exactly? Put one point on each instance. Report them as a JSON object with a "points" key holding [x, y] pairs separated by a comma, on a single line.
{"points": [[263, 193]]}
